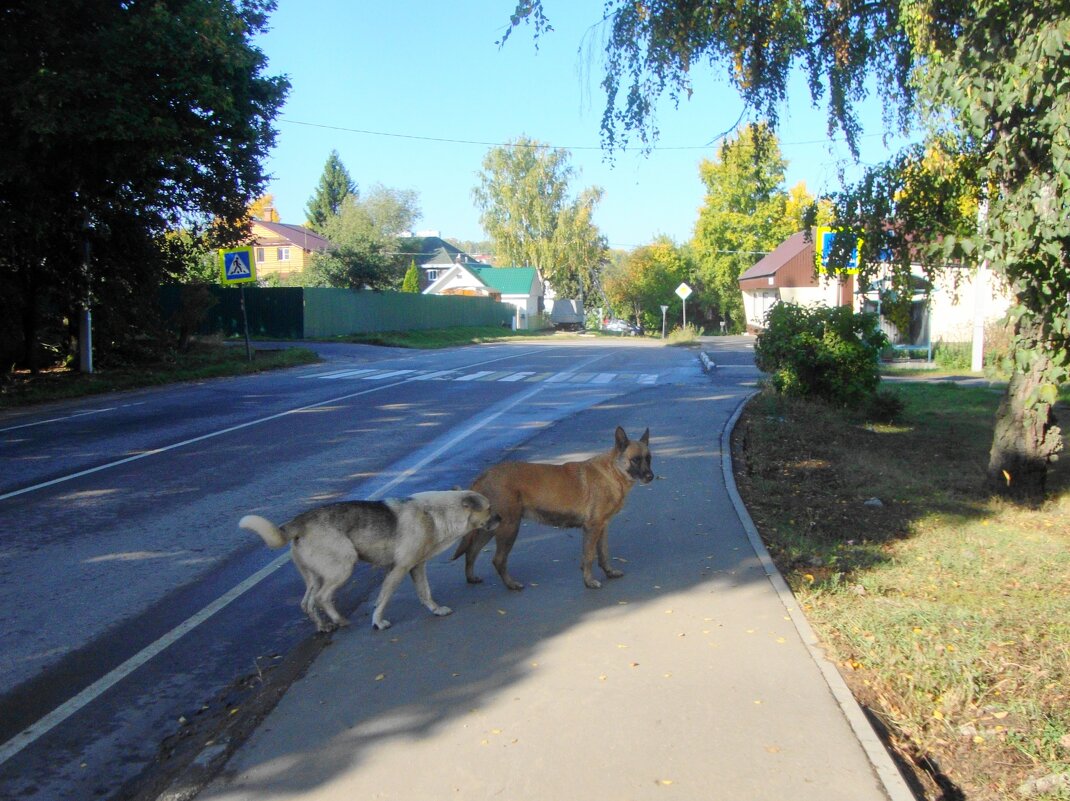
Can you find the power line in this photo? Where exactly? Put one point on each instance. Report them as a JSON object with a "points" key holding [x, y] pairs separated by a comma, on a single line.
{"points": [[540, 146]]}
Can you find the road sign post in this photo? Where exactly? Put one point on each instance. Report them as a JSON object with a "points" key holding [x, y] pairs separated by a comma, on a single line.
{"points": [[663, 310], [684, 291], [236, 266]]}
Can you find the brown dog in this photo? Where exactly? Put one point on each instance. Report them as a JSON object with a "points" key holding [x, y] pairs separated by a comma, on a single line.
{"points": [[572, 495]]}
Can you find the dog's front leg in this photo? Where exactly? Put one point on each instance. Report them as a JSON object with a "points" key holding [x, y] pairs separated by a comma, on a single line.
{"points": [[423, 591], [590, 545], [603, 554], [390, 583]]}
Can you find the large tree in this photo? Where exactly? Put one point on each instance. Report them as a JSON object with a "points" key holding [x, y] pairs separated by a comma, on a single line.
{"points": [[118, 123], [645, 280], [993, 81], [747, 212], [334, 186], [364, 233], [527, 209]]}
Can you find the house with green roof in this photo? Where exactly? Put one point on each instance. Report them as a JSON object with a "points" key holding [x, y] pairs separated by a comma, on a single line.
{"points": [[521, 287]]}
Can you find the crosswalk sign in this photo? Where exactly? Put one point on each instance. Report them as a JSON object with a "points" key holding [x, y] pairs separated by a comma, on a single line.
{"points": [[236, 265]]}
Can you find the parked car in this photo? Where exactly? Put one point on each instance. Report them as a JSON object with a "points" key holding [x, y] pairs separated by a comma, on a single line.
{"points": [[622, 327]]}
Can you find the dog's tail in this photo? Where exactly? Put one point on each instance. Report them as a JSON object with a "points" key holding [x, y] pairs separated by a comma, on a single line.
{"points": [[272, 534]]}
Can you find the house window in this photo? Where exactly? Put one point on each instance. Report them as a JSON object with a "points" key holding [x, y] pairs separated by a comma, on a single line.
{"points": [[282, 254], [432, 275], [260, 255]]}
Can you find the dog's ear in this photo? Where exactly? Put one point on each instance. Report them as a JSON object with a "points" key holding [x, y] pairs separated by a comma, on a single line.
{"points": [[645, 439], [620, 439]]}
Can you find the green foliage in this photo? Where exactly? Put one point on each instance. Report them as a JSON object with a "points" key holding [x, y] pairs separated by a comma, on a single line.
{"points": [[118, 123], [989, 81], [411, 282], [334, 187], [645, 280], [685, 335], [364, 233], [526, 209], [747, 212], [816, 351]]}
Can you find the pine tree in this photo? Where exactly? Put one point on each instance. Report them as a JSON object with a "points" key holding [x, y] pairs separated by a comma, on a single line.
{"points": [[411, 282], [334, 186]]}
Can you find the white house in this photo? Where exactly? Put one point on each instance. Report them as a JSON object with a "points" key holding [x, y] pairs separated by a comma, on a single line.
{"points": [[522, 287]]}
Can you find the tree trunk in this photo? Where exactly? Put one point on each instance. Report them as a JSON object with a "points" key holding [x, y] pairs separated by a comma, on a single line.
{"points": [[1026, 438]]}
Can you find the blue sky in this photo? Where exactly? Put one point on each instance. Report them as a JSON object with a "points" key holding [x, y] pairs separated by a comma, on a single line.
{"points": [[415, 71]]}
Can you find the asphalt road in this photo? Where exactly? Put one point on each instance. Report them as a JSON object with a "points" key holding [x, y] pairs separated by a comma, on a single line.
{"points": [[129, 600]]}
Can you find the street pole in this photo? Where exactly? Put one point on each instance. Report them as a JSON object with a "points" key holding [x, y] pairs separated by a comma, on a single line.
{"points": [[245, 325], [663, 310], [85, 321]]}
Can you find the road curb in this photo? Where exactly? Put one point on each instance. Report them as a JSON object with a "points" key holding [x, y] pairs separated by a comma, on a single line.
{"points": [[895, 786]]}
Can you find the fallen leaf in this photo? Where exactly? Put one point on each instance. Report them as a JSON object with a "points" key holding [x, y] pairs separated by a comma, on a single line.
{"points": [[602, 677], [664, 782], [501, 611], [380, 677]]}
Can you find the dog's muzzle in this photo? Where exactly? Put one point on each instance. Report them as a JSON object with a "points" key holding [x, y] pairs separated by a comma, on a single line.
{"points": [[492, 522], [647, 477]]}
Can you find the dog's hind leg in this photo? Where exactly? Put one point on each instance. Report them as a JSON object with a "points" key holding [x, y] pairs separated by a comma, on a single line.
{"points": [[423, 591], [329, 570], [505, 536], [479, 538], [312, 586], [390, 583]]}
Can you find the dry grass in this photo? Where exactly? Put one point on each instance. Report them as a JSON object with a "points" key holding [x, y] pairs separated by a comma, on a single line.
{"points": [[948, 612]]}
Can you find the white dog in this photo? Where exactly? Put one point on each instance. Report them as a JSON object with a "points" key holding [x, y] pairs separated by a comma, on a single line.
{"points": [[396, 533]]}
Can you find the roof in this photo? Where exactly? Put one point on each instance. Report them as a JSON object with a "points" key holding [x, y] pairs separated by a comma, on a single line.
{"points": [[500, 280], [791, 264], [507, 280], [299, 235], [430, 251]]}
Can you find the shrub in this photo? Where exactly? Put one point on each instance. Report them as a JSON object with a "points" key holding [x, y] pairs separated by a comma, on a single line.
{"points": [[816, 351], [884, 406], [953, 355], [688, 335]]}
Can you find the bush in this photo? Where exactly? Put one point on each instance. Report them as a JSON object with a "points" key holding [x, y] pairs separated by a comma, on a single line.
{"points": [[820, 352], [953, 355], [688, 335], [884, 406]]}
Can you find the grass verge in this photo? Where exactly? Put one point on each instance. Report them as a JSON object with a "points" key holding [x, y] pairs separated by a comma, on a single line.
{"points": [[204, 360], [947, 612], [444, 337]]}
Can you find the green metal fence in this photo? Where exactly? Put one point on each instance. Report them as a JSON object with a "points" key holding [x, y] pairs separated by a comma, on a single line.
{"points": [[319, 313]]}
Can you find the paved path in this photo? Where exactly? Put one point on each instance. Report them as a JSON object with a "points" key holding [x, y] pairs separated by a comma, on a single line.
{"points": [[692, 677]]}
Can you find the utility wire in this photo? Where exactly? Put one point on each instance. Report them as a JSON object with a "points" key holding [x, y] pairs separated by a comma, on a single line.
{"points": [[536, 145]]}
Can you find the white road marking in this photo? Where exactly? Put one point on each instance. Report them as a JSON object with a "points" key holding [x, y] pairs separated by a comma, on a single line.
{"points": [[473, 376], [101, 685], [71, 416], [183, 443]]}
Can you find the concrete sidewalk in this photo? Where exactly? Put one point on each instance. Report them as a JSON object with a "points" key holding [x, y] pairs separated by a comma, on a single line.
{"points": [[692, 677]]}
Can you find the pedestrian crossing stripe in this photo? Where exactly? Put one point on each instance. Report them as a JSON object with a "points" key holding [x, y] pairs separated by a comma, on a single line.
{"points": [[503, 376]]}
